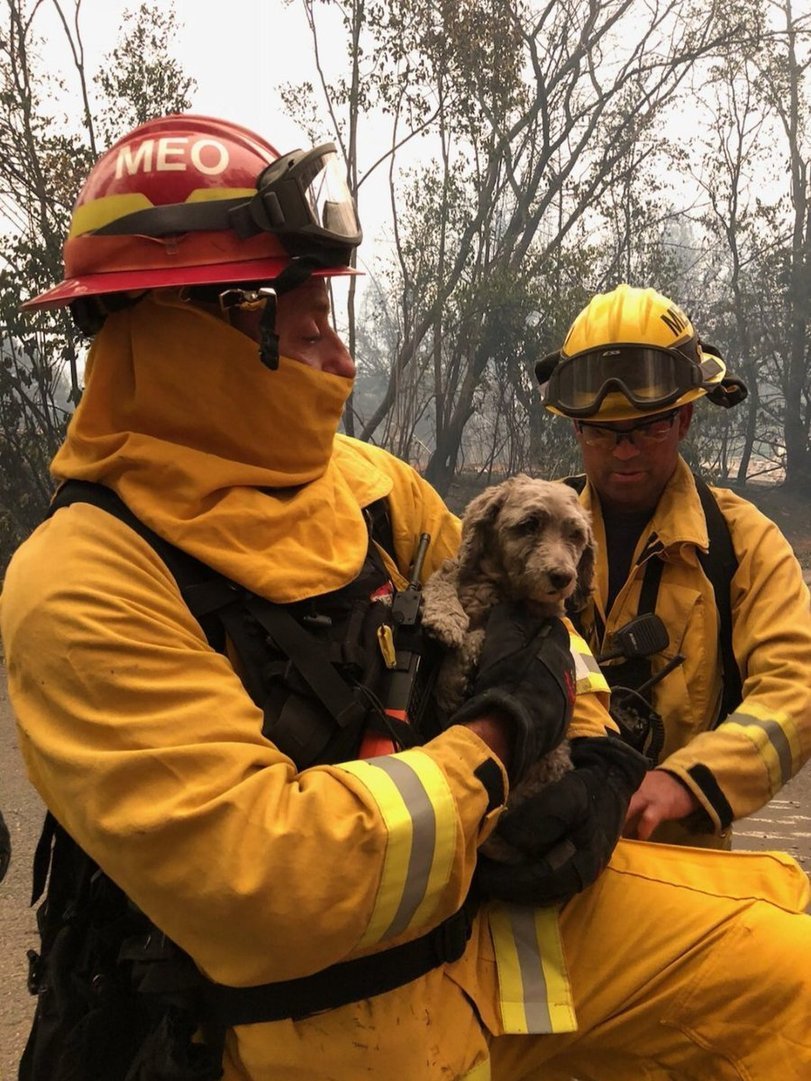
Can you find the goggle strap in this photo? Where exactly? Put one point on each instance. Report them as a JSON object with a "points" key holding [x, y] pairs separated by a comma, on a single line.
{"points": [[246, 218], [261, 214], [731, 391], [546, 366], [174, 218], [297, 272]]}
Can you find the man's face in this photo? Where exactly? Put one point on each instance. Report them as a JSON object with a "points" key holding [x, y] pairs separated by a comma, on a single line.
{"points": [[304, 328], [630, 475]]}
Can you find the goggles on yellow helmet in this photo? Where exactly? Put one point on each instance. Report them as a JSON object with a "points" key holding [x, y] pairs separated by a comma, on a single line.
{"points": [[649, 377]]}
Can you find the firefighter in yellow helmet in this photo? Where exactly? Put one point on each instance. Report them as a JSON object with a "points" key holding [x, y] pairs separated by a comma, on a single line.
{"points": [[213, 631], [730, 683]]}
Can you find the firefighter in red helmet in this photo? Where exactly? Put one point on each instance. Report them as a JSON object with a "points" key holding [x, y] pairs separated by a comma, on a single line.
{"points": [[195, 202], [203, 634]]}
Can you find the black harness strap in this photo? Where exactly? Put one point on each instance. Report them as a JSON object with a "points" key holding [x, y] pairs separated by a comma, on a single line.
{"points": [[85, 491], [338, 985], [649, 590], [719, 564], [311, 661], [636, 671], [42, 857], [380, 527]]}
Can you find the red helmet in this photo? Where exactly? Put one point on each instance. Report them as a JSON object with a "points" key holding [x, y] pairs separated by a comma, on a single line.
{"points": [[190, 200]]}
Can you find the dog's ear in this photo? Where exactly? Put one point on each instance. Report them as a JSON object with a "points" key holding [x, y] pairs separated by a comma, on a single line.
{"points": [[477, 522], [585, 575]]}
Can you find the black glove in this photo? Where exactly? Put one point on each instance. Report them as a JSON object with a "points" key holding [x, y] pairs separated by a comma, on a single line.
{"points": [[569, 829], [5, 849], [526, 675]]}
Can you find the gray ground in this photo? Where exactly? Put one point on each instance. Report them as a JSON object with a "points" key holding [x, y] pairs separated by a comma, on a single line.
{"points": [[784, 824]]}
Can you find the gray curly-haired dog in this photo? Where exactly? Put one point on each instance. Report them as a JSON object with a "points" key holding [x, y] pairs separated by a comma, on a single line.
{"points": [[525, 540]]}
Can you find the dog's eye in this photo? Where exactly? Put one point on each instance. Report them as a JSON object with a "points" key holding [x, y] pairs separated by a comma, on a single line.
{"points": [[533, 524], [575, 533]]}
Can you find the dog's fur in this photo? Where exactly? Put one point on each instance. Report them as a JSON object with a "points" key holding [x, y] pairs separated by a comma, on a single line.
{"points": [[524, 540]]}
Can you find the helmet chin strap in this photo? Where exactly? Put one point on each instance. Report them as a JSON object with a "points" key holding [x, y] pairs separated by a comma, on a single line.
{"points": [[265, 297], [251, 300]]}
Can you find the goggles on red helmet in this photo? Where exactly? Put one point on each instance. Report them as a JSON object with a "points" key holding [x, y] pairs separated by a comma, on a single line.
{"points": [[650, 378], [302, 198]]}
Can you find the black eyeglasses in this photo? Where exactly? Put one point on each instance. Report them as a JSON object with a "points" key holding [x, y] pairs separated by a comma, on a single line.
{"points": [[647, 433]]}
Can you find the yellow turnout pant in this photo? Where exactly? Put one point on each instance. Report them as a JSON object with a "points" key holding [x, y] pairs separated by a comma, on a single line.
{"points": [[685, 965]]}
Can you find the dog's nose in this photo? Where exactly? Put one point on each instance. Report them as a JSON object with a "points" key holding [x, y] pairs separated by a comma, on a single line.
{"points": [[559, 579]]}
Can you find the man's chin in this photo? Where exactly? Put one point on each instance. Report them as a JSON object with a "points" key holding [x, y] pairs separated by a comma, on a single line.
{"points": [[629, 480], [629, 491]]}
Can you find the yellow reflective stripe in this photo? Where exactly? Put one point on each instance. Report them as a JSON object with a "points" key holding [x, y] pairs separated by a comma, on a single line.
{"points": [[211, 195], [102, 211], [775, 738], [399, 828], [419, 812], [534, 992], [590, 678]]}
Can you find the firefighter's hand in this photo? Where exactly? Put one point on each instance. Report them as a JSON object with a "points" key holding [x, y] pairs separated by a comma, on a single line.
{"points": [[567, 831], [526, 678], [660, 798]]}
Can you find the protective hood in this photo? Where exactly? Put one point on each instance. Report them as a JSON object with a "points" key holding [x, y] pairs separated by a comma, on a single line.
{"points": [[235, 464]]}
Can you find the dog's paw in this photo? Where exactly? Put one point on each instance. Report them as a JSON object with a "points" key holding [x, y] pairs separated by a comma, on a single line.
{"points": [[452, 684], [471, 649], [443, 616]]}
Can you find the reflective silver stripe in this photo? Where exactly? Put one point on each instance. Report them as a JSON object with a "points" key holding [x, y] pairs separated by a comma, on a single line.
{"points": [[423, 844], [536, 1007], [587, 672], [587, 660], [777, 737], [418, 811], [581, 668], [534, 992]]}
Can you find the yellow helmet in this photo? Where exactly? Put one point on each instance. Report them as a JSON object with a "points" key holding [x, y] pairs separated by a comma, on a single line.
{"points": [[630, 353]]}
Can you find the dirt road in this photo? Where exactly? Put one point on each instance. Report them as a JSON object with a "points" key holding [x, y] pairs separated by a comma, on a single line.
{"points": [[784, 824]]}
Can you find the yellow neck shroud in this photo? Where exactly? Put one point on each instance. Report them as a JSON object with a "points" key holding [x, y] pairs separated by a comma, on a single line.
{"points": [[235, 464]]}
